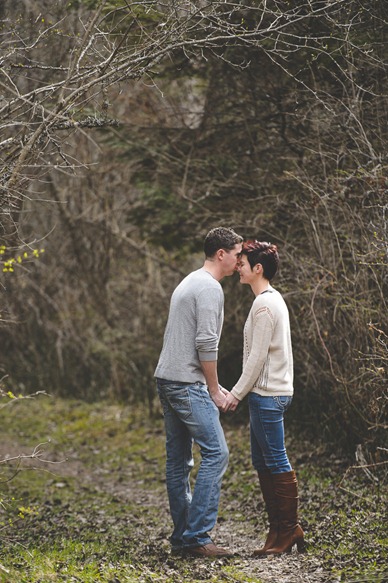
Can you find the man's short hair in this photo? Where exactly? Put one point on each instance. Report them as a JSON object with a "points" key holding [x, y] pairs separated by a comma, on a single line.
{"points": [[220, 238]]}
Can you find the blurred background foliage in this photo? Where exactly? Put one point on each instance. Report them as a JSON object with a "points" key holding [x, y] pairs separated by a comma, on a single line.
{"points": [[271, 119]]}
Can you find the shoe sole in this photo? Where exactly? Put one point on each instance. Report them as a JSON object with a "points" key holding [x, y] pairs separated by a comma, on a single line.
{"points": [[206, 556]]}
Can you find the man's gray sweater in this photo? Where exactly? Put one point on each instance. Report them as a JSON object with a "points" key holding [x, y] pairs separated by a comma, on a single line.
{"points": [[193, 328]]}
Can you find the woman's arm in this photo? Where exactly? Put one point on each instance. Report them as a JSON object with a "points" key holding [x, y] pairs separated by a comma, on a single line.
{"points": [[262, 330]]}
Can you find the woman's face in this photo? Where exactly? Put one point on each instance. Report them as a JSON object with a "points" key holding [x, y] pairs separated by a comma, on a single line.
{"points": [[245, 271]]}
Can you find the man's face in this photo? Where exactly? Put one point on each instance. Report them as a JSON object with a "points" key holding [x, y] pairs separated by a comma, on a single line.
{"points": [[230, 259]]}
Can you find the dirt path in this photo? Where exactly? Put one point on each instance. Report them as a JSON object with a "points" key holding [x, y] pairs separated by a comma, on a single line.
{"points": [[153, 530], [111, 489]]}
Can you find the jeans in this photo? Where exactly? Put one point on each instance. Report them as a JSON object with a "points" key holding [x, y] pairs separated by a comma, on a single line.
{"points": [[191, 416], [267, 433]]}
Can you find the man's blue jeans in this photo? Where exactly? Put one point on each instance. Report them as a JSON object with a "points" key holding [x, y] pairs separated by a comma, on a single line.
{"points": [[267, 433], [191, 416]]}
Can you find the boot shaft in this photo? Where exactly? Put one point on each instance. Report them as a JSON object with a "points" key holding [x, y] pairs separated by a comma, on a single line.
{"points": [[290, 531], [270, 500]]}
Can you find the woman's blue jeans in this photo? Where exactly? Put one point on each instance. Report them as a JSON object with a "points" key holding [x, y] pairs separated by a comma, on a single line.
{"points": [[191, 416], [267, 433]]}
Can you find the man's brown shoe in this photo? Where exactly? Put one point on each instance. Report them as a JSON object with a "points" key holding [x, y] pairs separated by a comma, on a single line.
{"points": [[209, 550]]}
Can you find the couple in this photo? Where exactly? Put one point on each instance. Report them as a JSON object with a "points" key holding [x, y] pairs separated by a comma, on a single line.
{"points": [[192, 398]]}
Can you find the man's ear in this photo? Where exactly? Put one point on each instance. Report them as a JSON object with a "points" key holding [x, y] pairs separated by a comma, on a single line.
{"points": [[220, 253]]}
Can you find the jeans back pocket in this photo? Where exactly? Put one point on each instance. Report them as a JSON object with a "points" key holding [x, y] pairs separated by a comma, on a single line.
{"points": [[283, 402]]}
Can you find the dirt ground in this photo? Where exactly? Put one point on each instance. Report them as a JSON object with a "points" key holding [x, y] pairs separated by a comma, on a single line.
{"points": [[115, 486], [234, 532]]}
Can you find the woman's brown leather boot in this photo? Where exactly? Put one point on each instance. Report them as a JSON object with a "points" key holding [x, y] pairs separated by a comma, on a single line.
{"points": [[268, 490], [290, 532]]}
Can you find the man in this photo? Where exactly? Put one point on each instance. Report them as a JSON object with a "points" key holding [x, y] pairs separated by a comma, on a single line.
{"points": [[191, 397]]}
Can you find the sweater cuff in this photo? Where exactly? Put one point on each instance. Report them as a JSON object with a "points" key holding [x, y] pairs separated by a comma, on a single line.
{"points": [[238, 397], [208, 356]]}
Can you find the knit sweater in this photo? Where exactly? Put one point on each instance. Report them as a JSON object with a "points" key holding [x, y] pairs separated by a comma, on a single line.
{"points": [[193, 328], [267, 355]]}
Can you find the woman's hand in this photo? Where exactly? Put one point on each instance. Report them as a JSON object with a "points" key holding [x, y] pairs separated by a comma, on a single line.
{"points": [[231, 403]]}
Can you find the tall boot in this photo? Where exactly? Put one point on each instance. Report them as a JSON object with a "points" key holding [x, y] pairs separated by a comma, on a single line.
{"points": [[268, 491], [290, 531]]}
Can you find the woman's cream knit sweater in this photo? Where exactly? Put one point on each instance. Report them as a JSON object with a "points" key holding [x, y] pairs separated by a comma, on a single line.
{"points": [[267, 356]]}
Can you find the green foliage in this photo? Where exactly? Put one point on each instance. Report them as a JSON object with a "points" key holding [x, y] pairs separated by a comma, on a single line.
{"points": [[19, 259]]}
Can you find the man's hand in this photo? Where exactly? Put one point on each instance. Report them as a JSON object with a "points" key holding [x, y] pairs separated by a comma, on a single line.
{"points": [[230, 403], [218, 398]]}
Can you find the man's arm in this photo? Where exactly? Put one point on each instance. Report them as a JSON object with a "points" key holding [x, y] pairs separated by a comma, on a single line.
{"points": [[209, 368]]}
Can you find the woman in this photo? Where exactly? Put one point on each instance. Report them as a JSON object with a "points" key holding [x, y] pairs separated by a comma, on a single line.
{"points": [[267, 379]]}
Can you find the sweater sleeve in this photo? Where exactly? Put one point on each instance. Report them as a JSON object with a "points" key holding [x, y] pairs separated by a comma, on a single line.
{"points": [[262, 330], [209, 317]]}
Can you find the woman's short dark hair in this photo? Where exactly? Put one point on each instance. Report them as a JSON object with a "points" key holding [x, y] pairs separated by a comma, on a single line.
{"points": [[264, 253], [220, 238]]}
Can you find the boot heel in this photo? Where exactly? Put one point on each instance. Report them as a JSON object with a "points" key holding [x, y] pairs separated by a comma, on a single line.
{"points": [[301, 545]]}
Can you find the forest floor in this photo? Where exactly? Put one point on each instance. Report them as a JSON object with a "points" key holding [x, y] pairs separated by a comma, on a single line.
{"points": [[92, 505]]}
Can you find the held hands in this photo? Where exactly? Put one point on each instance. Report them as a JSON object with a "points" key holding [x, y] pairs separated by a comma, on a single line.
{"points": [[230, 403], [224, 400]]}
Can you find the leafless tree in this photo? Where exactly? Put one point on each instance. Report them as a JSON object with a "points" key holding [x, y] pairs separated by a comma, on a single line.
{"points": [[265, 115]]}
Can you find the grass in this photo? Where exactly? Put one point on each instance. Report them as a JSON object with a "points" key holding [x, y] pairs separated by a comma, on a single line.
{"points": [[93, 508]]}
